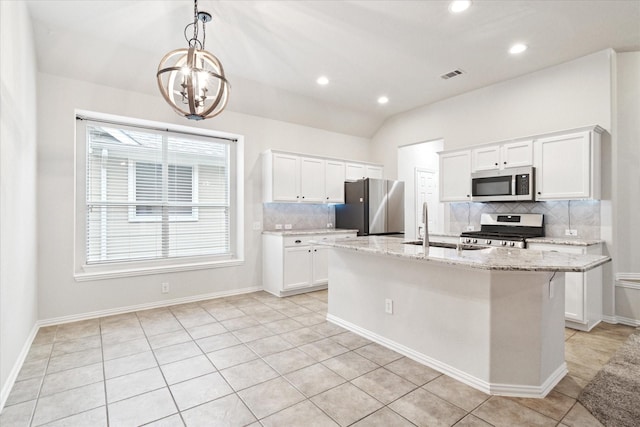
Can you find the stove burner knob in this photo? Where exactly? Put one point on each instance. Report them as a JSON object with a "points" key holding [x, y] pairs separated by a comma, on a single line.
{"points": [[503, 243], [475, 240], [467, 240], [512, 244], [488, 242]]}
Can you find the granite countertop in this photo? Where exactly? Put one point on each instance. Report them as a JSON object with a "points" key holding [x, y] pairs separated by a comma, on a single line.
{"points": [[565, 241], [301, 232], [484, 259]]}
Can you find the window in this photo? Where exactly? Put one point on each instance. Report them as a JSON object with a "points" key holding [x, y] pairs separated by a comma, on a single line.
{"points": [[155, 198]]}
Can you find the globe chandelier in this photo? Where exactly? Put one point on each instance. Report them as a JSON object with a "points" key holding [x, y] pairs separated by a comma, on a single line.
{"points": [[192, 80]]}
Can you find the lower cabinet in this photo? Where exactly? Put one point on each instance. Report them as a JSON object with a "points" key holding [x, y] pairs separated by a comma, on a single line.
{"points": [[583, 291], [291, 264]]}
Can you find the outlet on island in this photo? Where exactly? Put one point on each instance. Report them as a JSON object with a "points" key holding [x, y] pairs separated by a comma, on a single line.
{"points": [[570, 232], [164, 287], [388, 306]]}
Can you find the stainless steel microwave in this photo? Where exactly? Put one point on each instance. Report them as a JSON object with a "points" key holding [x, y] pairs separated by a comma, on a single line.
{"points": [[510, 184]]}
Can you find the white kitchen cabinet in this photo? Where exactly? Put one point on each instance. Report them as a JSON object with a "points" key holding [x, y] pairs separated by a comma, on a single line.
{"points": [[292, 264], [455, 176], [501, 156], [312, 179], [291, 177], [356, 171], [568, 165], [334, 181], [583, 291]]}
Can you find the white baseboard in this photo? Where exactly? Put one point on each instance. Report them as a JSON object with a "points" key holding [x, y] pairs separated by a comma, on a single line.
{"points": [[628, 280], [628, 321], [146, 306], [17, 366], [13, 375], [463, 377]]}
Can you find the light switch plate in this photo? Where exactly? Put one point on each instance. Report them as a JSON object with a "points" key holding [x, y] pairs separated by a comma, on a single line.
{"points": [[288, 227]]}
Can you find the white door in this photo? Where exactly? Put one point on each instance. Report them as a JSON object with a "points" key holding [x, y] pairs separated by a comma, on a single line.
{"points": [[426, 191], [286, 178], [297, 267], [320, 265], [334, 181], [311, 180]]}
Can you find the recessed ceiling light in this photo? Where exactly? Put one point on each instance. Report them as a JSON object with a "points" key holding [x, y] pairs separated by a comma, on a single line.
{"points": [[383, 100], [459, 6], [322, 80], [517, 48]]}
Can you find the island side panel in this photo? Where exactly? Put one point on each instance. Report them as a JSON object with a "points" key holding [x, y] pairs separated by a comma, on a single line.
{"points": [[440, 317], [527, 332], [497, 331]]}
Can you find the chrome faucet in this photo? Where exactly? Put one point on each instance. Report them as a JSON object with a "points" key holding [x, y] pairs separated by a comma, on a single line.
{"points": [[425, 220]]}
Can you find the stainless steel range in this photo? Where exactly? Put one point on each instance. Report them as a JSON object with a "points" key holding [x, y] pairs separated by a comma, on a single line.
{"points": [[510, 230]]}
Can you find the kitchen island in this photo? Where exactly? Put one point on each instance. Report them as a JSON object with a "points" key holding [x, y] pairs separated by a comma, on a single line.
{"points": [[491, 318]]}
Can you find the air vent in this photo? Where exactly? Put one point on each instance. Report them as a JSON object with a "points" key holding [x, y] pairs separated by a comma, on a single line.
{"points": [[450, 74]]}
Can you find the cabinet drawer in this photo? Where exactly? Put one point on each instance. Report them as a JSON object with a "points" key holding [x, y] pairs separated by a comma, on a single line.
{"points": [[290, 241]]}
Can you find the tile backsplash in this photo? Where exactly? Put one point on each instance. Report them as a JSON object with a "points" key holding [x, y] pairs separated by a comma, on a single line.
{"points": [[300, 216], [581, 215]]}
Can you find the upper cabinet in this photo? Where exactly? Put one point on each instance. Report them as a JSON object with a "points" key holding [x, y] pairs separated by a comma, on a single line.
{"points": [[500, 156], [455, 176], [289, 177], [356, 171], [568, 165]]}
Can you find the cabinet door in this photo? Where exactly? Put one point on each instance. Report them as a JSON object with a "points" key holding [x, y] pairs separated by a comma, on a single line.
{"points": [[574, 296], [371, 171], [455, 176], [297, 267], [354, 171], [311, 180], [486, 158], [517, 154], [320, 265], [286, 178], [334, 181], [563, 167]]}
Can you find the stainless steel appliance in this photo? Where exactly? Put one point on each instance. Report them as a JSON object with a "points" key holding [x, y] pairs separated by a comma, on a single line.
{"points": [[510, 184], [507, 230], [372, 206]]}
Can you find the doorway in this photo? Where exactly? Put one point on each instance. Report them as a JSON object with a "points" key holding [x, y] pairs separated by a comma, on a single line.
{"points": [[418, 167]]}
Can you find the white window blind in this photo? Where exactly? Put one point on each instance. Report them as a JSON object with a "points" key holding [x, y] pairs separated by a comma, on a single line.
{"points": [[154, 194]]}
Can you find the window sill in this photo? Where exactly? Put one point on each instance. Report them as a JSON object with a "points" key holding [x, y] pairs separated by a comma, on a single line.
{"points": [[91, 272]]}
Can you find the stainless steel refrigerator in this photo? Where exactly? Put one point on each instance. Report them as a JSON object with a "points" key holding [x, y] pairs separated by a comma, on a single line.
{"points": [[372, 206]]}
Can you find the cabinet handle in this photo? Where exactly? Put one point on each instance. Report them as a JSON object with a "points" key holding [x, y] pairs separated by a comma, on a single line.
{"points": [[298, 241], [303, 197], [297, 197], [539, 192], [496, 164], [505, 163], [468, 195], [309, 250], [327, 198]]}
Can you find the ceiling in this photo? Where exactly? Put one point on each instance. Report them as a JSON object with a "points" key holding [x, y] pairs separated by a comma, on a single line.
{"points": [[273, 51]]}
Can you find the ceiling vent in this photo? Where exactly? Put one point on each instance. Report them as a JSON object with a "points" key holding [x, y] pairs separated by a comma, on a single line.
{"points": [[451, 74]]}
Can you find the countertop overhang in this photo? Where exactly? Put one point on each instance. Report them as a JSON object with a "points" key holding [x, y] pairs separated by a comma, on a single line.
{"points": [[502, 259]]}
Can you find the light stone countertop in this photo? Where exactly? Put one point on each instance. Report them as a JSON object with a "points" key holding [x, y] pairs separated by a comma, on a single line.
{"points": [[564, 241], [302, 232], [484, 259]]}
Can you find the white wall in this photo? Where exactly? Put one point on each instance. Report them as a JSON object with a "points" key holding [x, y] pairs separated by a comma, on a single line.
{"points": [[18, 284], [566, 96], [570, 95], [627, 181], [59, 294]]}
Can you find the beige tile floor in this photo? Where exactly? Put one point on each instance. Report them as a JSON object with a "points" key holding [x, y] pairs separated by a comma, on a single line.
{"points": [[256, 360]]}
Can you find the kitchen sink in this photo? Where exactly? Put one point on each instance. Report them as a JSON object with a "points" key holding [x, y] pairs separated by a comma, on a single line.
{"points": [[445, 245]]}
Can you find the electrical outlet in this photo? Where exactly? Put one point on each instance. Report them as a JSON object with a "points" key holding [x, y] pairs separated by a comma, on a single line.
{"points": [[388, 306], [470, 227], [570, 232], [278, 226], [288, 227], [329, 225], [257, 225], [165, 287]]}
